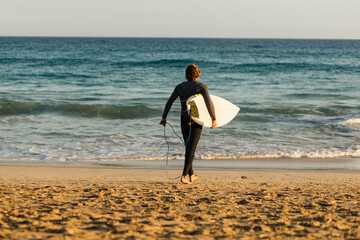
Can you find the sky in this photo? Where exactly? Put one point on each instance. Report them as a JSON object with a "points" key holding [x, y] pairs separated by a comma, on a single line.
{"points": [[332, 19]]}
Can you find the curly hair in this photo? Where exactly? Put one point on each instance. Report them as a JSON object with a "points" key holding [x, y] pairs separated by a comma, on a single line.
{"points": [[192, 72]]}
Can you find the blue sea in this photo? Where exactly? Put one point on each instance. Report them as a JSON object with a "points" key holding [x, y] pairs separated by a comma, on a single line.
{"points": [[99, 101]]}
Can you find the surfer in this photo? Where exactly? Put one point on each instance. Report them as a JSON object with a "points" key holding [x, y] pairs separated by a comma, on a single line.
{"points": [[185, 90]]}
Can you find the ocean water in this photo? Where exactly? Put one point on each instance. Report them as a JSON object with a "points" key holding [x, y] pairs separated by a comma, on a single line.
{"points": [[100, 100]]}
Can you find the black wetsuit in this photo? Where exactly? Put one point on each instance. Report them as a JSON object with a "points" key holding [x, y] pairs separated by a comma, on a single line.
{"points": [[184, 91]]}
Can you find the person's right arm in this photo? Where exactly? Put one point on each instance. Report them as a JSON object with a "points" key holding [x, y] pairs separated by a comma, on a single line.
{"points": [[168, 105], [209, 104]]}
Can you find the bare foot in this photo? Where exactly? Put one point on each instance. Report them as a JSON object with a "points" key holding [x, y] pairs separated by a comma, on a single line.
{"points": [[193, 177], [185, 180]]}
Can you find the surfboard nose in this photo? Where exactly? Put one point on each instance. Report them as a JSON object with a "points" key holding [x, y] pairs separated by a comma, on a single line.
{"points": [[225, 111]]}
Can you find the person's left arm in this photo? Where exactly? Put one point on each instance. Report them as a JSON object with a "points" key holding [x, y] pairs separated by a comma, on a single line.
{"points": [[168, 105]]}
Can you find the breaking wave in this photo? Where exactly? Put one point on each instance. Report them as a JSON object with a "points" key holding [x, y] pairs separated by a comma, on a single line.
{"points": [[110, 111]]}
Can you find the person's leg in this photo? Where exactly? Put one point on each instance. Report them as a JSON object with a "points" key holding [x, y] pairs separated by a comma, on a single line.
{"points": [[185, 128], [192, 143], [196, 131]]}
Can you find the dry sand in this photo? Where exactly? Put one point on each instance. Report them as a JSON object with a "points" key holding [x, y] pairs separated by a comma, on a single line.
{"points": [[67, 202]]}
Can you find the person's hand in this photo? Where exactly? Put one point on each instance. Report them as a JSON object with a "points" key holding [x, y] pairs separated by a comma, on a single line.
{"points": [[163, 122], [214, 124]]}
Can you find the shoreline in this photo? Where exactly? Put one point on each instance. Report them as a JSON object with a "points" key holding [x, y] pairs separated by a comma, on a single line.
{"points": [[72, 170], [257, 164], [93, 202], [106, 173]]}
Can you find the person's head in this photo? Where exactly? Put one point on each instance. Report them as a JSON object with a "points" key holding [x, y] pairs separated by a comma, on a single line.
{"points": [[192, 72]]}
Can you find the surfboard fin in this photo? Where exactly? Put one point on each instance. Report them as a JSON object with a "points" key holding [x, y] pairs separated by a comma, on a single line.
{"points": [[193, 110]]}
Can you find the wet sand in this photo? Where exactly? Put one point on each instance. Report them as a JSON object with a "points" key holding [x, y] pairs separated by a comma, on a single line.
{"points": [[74, 202]]}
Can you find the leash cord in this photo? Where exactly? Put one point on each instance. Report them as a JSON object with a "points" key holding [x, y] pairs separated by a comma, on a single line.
{"points": [[168, 148]]}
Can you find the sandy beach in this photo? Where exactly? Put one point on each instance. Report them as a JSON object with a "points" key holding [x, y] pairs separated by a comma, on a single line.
{"points": [[83, 202]]}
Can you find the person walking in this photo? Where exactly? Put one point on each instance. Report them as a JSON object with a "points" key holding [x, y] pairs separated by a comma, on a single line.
{"points": [[185, 90]]}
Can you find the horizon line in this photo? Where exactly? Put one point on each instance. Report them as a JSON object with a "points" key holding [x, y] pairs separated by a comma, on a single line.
{"points": [[270, 38]]}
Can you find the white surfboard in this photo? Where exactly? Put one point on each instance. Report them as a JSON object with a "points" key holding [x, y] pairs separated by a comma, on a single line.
{"points": [[225, 111]]}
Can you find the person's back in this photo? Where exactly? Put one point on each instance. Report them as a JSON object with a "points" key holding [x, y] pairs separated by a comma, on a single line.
{"points": [[187, 89]]}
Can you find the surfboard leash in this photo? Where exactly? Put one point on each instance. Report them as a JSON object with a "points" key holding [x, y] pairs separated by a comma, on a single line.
{"points": [[168, 148]]}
